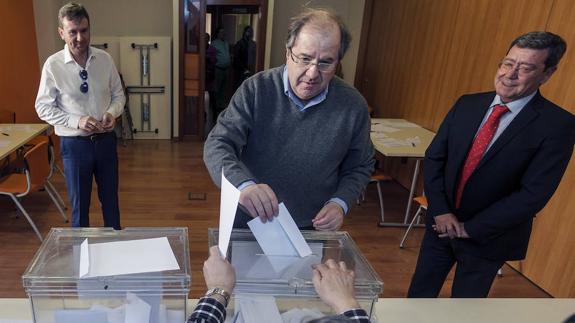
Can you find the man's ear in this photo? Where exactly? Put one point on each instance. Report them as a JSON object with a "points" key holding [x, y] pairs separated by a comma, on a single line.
{"points": [[548, 74], [61, 32]]}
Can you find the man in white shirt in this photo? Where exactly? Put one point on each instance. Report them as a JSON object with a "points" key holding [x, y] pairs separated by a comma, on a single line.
{"points": [[81, 95]]}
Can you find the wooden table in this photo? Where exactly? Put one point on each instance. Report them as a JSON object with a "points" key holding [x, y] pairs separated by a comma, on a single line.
{"points": [[404, 310], [14, 136], [401, 138]]}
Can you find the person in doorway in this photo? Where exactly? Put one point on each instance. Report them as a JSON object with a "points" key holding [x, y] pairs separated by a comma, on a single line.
{"points": [[244, 57], [81, 95], [495, 162], [223, 62]]}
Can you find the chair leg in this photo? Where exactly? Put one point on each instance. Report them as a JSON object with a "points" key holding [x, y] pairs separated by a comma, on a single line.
{"points": [[56, 202], [21, 208], [380, 204], [60, 200], [415, 217], [59, 170]]}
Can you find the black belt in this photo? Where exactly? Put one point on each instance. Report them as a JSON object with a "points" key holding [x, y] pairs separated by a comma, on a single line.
{"points": [[94, 137]]}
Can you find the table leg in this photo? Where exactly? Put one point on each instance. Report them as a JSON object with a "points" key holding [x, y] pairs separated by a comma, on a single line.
{"points": [[411, 191]]}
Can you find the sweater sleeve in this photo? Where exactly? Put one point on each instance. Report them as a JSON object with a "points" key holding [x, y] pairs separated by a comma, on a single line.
{"points": [[357, 166], [226, 141]]}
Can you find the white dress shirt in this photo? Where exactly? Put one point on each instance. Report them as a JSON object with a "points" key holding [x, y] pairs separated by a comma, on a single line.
{"points": [[514, 108], [60, 101]]}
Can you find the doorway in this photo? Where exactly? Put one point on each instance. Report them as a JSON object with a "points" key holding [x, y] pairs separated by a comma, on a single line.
{"points": [[197, 111]]}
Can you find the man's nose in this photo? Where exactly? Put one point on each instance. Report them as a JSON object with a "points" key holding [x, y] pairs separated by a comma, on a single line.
{"points": [[513, 73], [312, 71]]}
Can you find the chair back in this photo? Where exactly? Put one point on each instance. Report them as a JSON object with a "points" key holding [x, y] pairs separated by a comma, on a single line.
{"points": [[38, 164]]}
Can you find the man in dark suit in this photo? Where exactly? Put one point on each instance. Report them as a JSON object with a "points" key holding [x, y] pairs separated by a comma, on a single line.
{"points": [[495, 162]]}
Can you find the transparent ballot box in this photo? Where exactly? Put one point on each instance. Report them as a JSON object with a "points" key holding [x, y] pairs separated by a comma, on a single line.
{"points": [[101, 275], [289, 279]]}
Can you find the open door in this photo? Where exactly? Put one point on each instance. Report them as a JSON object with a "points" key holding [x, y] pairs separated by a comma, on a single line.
{"points": [[199, 17]]}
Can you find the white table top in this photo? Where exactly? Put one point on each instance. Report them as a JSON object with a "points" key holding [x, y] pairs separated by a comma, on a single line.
{"points": [[14, 136], [399, 138], [403, 310]]}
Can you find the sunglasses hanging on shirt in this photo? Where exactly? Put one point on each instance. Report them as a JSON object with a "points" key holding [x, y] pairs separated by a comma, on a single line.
{"points": [[84, 85]]}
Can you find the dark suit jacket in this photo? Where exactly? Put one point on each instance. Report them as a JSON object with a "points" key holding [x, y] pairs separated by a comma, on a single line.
{"points": [[512, 182]]}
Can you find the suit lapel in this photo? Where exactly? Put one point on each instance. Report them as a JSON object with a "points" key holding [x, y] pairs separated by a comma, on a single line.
{"points": [[524, 118], [470, 126]]}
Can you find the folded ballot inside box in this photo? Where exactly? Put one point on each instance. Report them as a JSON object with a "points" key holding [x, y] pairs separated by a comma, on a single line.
{"points": [[103, 275], [287, 280]]}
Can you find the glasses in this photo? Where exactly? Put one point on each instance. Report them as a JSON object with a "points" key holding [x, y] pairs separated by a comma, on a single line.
{"points": [[306, 62], [522, 68], [84, 85]]}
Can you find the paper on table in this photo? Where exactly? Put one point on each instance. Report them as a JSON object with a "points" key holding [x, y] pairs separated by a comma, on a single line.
{"points": [[230, 198], [126, 257], [281, 236], [383, 128]]}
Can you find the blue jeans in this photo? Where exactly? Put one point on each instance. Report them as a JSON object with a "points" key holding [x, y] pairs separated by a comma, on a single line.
{"points": [[84, 158]]}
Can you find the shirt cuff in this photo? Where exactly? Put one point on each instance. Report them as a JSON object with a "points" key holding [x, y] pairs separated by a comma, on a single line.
{"points": [[246, 184], [341, 203], [357, 315]]}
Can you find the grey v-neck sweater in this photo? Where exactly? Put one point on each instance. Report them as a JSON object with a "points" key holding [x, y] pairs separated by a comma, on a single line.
{"points": [[306, 157]]}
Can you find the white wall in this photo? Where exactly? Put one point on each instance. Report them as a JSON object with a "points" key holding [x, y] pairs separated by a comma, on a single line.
{"points": [[129, 17], [351, 11], [46, 22]]}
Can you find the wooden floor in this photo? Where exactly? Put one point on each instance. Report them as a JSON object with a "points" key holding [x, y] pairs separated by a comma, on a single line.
{"points": [[155, 179]]}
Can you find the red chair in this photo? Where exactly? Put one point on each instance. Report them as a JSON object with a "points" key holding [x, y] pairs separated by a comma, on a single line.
{"points": [[37, 170], [422, 201]]}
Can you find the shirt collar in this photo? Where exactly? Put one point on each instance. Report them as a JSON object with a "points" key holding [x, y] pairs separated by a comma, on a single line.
{"points": [[513, 106], [297, 101], [68, 56]]}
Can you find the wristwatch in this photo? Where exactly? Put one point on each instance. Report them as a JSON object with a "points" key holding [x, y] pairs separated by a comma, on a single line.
{"points": [[221, 292]]}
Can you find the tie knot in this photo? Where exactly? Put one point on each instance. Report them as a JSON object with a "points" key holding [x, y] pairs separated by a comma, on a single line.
{"points": [[499, 110]]}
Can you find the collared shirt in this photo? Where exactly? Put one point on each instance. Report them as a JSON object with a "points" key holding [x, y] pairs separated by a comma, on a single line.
{"points": [[61, 103], [299, 103], [514, 109], [208, 310]]}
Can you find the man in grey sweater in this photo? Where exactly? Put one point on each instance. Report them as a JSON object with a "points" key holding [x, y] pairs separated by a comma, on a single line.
{"points": [[295, 133]]}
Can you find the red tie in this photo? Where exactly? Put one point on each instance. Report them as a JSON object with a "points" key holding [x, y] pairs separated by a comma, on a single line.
{"points": [[479, 147]]}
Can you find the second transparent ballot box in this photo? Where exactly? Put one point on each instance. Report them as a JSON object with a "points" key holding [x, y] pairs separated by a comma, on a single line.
{"points": [[289, 279]]}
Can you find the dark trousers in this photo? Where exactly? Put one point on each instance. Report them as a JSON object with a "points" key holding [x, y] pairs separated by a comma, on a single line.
{"points": [[85, 158], [473, 275]]}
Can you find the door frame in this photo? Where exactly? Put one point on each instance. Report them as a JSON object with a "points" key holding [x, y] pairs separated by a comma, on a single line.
{"points": [[260, 56]]}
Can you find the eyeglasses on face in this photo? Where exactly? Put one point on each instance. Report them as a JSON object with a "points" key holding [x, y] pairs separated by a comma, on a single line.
{"points": [[84, 85], [522, 69], [307, 62]]}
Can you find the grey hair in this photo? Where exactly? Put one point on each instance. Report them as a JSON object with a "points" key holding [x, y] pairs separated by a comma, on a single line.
{"points": [[312, 15], [73, 12], [554, 44]]}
